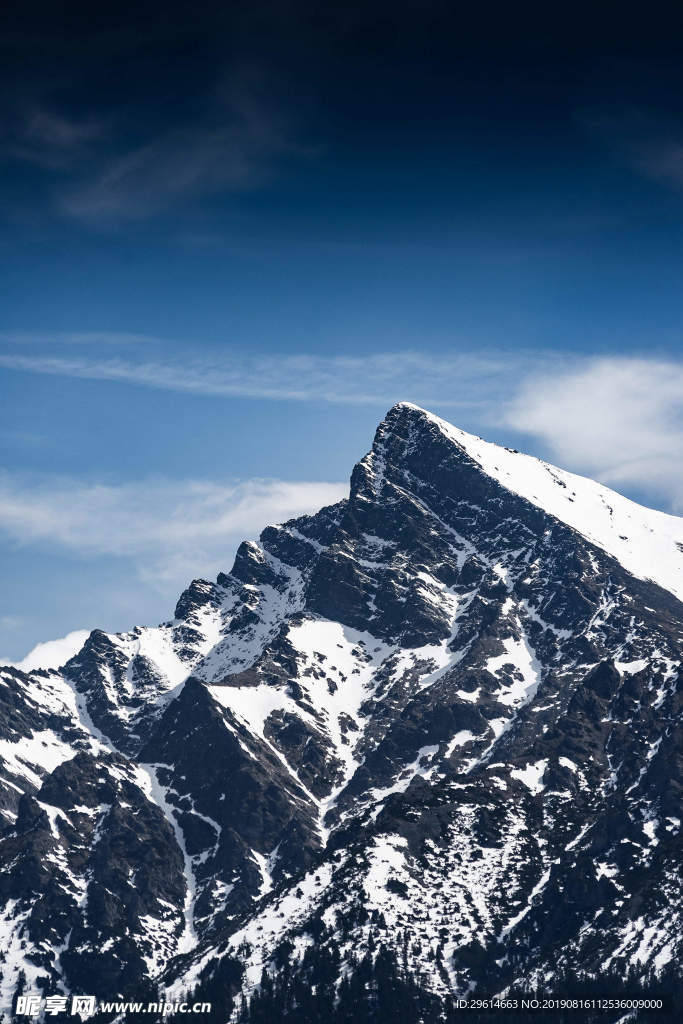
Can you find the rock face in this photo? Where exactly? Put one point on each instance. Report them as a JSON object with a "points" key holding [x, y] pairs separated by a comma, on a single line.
{"points": [[424, 743]]}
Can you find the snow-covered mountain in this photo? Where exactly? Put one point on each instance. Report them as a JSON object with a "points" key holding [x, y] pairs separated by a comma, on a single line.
{"points": [[422, 744]]}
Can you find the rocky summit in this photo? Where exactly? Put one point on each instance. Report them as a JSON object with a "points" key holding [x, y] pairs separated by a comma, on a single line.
{"points": [[420, 747]]}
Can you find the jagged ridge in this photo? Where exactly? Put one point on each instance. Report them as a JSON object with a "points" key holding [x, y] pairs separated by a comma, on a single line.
{"points": [[425, 718]]}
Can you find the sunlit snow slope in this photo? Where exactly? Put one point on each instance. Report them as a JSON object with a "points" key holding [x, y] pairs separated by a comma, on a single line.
{"points": [[648, 543]]}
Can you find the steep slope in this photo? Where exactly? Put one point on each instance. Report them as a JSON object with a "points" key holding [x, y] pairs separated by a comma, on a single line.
{"points": [[648, 543], [432, 731]]}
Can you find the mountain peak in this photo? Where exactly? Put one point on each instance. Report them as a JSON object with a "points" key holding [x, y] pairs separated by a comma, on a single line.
{"points": [[409, 412], [647, 542]]}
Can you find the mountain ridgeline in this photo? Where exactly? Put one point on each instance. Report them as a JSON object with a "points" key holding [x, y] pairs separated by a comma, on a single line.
{"points": [[421, 745]]}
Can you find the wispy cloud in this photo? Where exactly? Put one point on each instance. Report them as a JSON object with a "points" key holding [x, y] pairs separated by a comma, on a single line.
{"points": [[53, 140], [662, 160], [466, 381], [109, 339], [647, 141], [181, 163], [8, 622], [617, 419], [115, 169], [169, 530]]}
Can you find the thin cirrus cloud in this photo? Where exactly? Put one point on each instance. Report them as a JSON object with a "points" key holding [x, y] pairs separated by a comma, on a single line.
{"points": [[63, 339], [52, 140], [131, 163], [472, 381], [193, 161], [113, 171], [645, 140], [170, 530], [662, 160]]}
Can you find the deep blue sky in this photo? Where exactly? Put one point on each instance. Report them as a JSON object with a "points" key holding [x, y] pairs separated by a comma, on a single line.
{"points": [[232, 235]]}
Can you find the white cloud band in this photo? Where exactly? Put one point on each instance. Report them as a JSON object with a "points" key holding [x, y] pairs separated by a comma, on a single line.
{"points": [[617, 419]]}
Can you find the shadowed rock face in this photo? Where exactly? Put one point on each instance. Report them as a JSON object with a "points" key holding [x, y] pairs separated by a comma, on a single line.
{"points": [[434, 719]]}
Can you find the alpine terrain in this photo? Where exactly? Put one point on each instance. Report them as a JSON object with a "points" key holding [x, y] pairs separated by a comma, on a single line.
{"points": [[423, 745]]}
